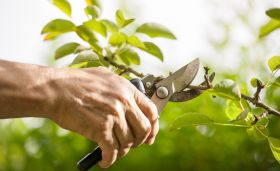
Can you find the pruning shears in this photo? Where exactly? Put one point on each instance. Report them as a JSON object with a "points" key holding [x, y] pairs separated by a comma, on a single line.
{"points": [[173, 88]]}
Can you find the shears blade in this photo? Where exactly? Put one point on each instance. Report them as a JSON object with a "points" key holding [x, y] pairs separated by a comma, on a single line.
{"points": [[190, 93], [176, 82]]}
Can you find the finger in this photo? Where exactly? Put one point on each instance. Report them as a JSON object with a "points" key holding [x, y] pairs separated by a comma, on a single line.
{"points": [[151, 112], [109, 146], [154, 130], [124, 136], [109, 152], [139, 124]]}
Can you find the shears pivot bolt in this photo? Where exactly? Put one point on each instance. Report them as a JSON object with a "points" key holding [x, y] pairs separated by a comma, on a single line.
{"points": [[162, 92]]}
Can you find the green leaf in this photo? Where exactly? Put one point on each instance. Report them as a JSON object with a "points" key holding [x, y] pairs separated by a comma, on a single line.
{"points": [[258, 132], [80, 49], [246, 105], [242, 116], [121, 21], [155, 30], [117, 39], [128, 21], [153, 49], [274, 63], [57, 27], [129, 56], [85, 56], [277, 82], [51, 36], [63, 5], [275, 147], [92, 11], [86, 34], [254, 82], [111, 26], [195, 119], [274, 13], [258, 111], [227, 89], [79, 65], [263, 122], [269, 27], [66, 49], [96, 26], [136, 42], [86, 59], [94, 2], [233, 109], [120, 18], [190, 119]]}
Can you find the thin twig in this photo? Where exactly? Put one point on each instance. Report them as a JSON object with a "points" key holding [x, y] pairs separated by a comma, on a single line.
{"points": [[260, 86], [269, 109], [206, 77], [272, 76], [123, 67]]}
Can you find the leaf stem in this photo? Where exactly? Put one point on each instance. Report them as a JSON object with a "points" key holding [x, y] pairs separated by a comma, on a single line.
{"points": [[272, 76], [232, 125]]}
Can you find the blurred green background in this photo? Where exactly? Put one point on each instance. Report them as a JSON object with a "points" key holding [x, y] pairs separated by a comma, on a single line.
{"points": [[39, 145]]}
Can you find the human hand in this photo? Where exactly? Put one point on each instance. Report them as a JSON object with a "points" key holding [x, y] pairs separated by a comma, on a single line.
{"points": [[105, 108]]}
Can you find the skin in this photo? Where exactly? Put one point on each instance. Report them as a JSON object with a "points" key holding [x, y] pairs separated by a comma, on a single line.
{"points": [[93, 102]]}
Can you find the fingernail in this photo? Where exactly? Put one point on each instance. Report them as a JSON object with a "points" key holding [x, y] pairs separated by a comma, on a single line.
{"points": [[151, 141]]}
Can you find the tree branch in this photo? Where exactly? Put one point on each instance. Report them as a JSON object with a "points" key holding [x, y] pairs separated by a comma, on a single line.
{"points": [[269, 109], [206, 77], [207, 84], [123, 67], [260, 86], [254, 100]]}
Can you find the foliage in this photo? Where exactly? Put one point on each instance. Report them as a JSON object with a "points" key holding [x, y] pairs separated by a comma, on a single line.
{"points": [[239, 112], [47, 147], [273, 24], [121, 46]]}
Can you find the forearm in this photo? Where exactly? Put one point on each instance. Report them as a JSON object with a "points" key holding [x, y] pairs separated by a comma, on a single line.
{"points": [[24, 90]]}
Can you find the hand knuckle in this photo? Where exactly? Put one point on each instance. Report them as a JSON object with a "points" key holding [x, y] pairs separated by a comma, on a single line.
{"points": [[117, 108], [104, 127]]}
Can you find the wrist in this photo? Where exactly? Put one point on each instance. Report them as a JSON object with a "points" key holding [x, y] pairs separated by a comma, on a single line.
{"points": [[25, 90], [52, 91]]}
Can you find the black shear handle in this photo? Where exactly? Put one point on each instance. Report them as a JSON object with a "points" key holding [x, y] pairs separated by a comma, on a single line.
{"points": [[96, 155]]}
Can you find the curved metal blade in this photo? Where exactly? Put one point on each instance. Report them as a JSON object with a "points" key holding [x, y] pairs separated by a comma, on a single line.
{"points": [[189, 94], [180, 79], [176, 82], [185, 95]]}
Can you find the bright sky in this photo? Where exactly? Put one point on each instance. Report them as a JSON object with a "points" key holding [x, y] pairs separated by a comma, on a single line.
{"points": [[192, 22]]}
